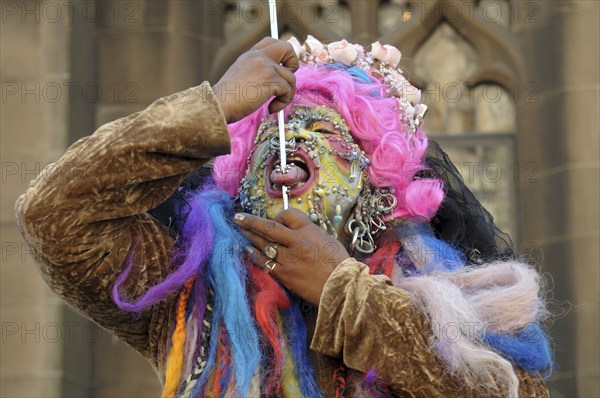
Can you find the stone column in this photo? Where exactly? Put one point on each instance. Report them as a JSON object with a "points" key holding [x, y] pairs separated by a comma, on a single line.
{"points": [[559, 159], [197, 28], [34, 37], [365, 21]]}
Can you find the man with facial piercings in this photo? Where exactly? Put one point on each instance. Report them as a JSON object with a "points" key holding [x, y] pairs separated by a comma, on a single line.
{"points": [[385, 277]]}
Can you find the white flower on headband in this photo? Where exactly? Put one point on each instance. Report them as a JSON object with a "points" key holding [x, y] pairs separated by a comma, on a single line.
{"points": [[313, 45], [298, 49], [413, 95], [342, 51], [386, 54], [420, 110], [360, 50]]}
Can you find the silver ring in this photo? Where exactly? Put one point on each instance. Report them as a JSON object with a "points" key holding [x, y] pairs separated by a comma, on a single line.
{"points": [[269, 266], [271, 250]]}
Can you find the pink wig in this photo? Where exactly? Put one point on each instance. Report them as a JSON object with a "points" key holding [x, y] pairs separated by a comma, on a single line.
{"points": [[374, 120]]}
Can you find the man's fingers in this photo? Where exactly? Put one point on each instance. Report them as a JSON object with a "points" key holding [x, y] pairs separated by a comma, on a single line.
{"points": [[270, 266], [293, 218], [268, 229], [280, 52], [261, 243], [283, 93], [290, 60], [283, 53], [267, 41], [289, 77], [277, 105], [257, 240]]}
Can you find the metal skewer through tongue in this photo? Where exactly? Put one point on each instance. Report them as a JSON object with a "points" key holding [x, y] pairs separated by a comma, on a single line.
{"points": [[280, 117]]}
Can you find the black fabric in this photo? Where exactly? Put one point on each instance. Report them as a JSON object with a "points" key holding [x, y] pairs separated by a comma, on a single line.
{"points": [[461, 220], [173, 212]]}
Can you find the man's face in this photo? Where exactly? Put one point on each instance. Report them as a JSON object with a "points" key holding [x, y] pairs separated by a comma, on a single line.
{"points": [[325, 174]]}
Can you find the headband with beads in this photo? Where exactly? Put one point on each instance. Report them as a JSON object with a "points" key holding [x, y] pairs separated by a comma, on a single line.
{"points": [[381, 62]]}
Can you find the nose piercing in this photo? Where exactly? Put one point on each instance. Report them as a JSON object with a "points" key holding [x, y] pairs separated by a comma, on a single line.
{"points": [[290, 145]]}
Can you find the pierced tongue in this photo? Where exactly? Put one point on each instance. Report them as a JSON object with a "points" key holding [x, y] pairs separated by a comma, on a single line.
{"points": [[294, 175]]}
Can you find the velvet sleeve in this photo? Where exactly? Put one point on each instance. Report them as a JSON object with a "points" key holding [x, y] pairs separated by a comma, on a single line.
{"points": [[84, 216], [371, 325]]}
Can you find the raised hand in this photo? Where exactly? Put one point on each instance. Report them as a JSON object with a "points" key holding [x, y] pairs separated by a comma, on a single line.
{"points": [[304, 256], [266, 70]]}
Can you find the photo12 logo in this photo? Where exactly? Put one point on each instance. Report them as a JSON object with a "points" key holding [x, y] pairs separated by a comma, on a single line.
{"points": [[107, 11], [495, 11], [53, 92], [15, 332]]}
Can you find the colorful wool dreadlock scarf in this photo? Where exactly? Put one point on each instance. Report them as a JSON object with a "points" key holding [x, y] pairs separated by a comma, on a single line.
{"points": [[239, 333]]}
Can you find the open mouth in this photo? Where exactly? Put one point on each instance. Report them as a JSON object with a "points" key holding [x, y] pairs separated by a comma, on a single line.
{"points": [[300, 176]]}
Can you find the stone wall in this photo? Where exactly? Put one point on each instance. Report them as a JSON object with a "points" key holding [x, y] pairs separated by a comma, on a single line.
{"points": [[559, 134], [34, 72]]}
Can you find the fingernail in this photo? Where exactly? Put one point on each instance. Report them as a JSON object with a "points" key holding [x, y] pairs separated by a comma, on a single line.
{"points": [[249, 249], [239, 217]]}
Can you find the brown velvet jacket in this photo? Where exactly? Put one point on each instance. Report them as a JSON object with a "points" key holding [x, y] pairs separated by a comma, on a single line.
{"points": [[83, 215]]}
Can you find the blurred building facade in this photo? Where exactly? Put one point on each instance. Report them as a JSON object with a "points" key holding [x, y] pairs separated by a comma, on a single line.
{"points": [[513, 90]]}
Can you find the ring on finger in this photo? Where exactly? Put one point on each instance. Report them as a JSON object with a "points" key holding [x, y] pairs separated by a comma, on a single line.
{"points": [[271, 250], [269, 266]]}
